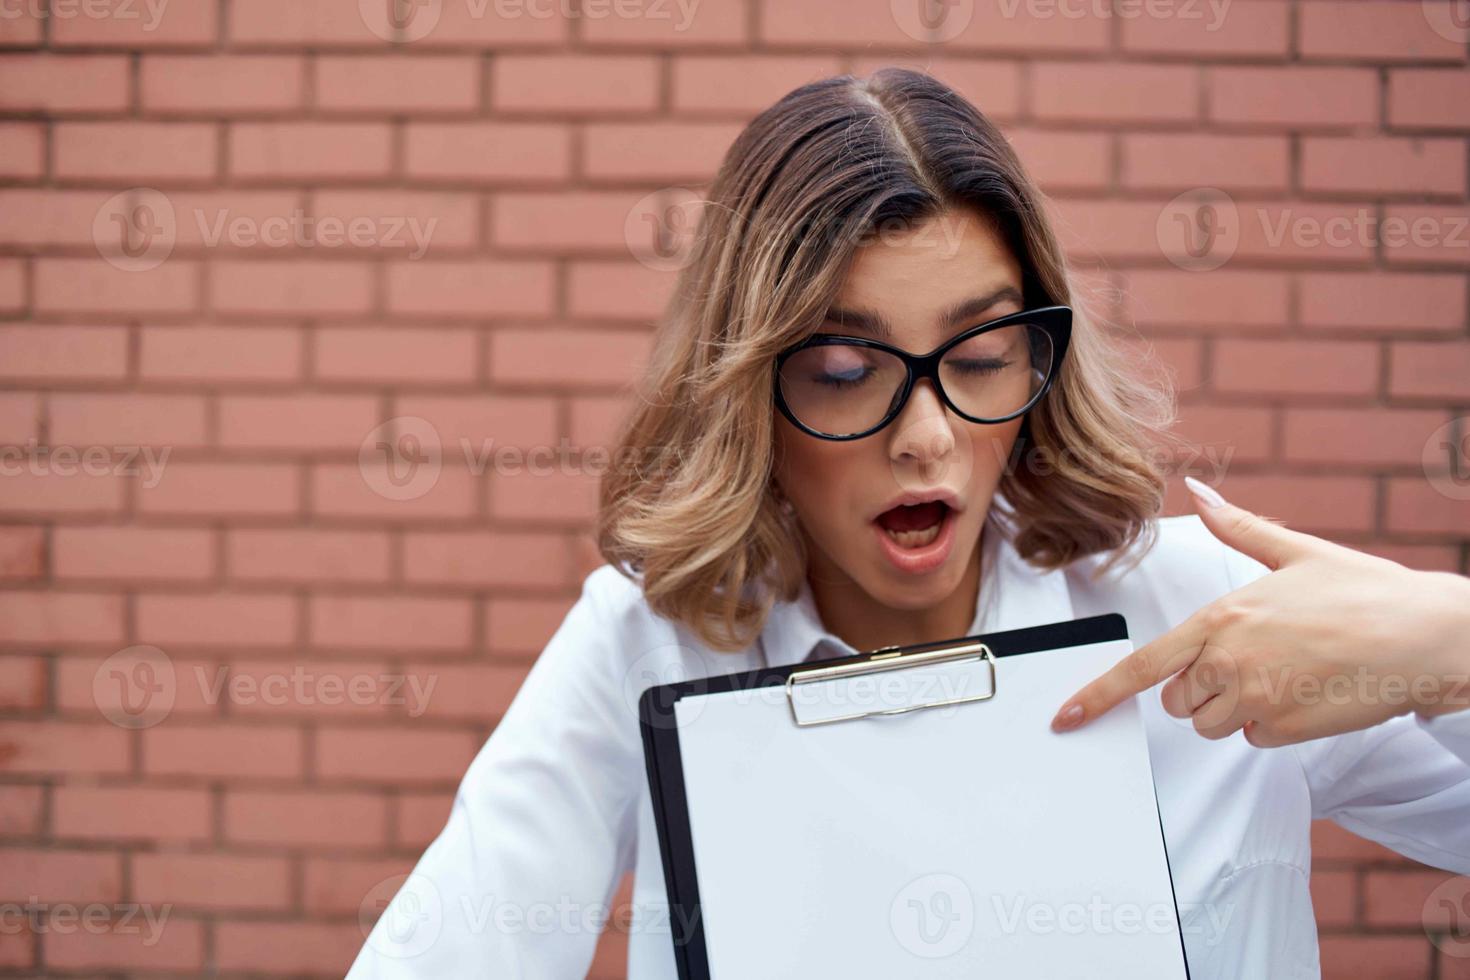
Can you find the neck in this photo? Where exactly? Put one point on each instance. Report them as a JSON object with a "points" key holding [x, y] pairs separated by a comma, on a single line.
{"points": [[864, 624]]}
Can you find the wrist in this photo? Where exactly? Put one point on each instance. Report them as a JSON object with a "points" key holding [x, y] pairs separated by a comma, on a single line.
{"points": [[1449, 632]]}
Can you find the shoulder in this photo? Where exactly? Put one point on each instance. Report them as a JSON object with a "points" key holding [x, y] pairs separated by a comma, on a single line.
{"points": [[1177, 567]]}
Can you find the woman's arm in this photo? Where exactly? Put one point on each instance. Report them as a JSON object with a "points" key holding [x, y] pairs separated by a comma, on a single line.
{"points": [[543, 826]]}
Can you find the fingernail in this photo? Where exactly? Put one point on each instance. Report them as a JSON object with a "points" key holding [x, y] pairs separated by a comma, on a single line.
{"points": [[1207, 494], [1068, 717]]}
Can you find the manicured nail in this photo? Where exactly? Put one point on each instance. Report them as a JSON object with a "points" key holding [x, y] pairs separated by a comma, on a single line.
{"points": [[1207, 494], [1068, 717]]}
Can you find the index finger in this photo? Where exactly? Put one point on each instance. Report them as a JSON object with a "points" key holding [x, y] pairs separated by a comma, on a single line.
{"points": [[1140, 670]]}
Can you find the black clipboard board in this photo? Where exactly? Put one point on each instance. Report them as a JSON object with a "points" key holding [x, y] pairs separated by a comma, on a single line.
{"points": [[665, 771]]}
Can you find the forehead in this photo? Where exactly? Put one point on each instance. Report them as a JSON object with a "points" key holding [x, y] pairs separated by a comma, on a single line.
{"points": [[913, 273]]}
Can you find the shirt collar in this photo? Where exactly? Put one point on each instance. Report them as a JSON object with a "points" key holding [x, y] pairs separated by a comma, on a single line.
{"points": [[1012, 594]]}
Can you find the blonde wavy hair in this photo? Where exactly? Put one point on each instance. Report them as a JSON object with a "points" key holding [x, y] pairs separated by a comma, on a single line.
{"points": [[692, 513]]}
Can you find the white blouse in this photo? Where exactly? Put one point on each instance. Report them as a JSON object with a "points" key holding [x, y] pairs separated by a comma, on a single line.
{"points": [[555, 808]]}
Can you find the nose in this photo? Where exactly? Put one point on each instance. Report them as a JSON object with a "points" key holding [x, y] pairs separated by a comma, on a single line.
{"points": [[923, 430]]}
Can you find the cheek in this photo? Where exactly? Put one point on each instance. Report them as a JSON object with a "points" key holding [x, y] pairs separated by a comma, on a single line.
{"points": [[992, 446], [813, 473]]}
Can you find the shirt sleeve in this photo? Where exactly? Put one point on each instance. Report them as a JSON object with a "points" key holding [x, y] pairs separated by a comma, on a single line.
{"points": [[518, 883], [1404, 783]]}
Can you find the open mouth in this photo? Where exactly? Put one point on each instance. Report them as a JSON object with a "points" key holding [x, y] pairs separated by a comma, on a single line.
{"points": [[914, 526]]}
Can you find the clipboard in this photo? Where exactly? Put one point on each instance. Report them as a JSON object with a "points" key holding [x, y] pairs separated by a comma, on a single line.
{"points": [[843, 875]]}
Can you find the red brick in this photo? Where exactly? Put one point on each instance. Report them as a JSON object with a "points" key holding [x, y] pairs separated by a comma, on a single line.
{"points": [[992, 84], [478, 693], [567, 220], [135, 150], [596, 421], [24, 27], [1401, 898], [35, 216], [1429, 558], [63, 83], [338, 885], [134, 25], [309, 150], [21, 809], [149, 554], [647, 151], [22, 553], [59, 876], [45, 484], [574, 83], [1418, 506], [234, 84], [210, 354], [396, 355], [989, 27], [95, 286], [1430, 370], [1180, 161], [1303, 367], [384, 84], [20, 417], [295, 555], [472, 290], [46, 748], [265, 489], [249, 619], [394, 755], [292, 289], [344, 490], [1429, 98], [1427, 233], [1251, 29], [617, 290], [411, 223], [127, 420], [476, 428], [320, 690], [1225, 298], [175, 945], [481, 152], [420, 817], [296, 421], [1382, 301], [286, 947], [1332, 842], [301, 23], [217, 881], [1379, 164], [313, 819], [141, 813], [398, 623], [22, 683], [1088, 92], [1225, 435], [22, 150], [569, 496], [1297, 96], [519, 626], [576, 357], [60, 618], [1372, 30], [1064, 159], [37, 352], [1315, 504], [485, 559], [12, 274], [712, 25], [1365, 437], [1334, 897], [234, 752]]}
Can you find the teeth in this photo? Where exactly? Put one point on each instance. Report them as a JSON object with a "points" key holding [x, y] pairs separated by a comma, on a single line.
{"points": [[914, 539]]}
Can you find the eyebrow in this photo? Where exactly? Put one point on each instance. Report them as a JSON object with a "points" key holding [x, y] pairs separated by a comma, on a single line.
{"points": [[876, 324]]}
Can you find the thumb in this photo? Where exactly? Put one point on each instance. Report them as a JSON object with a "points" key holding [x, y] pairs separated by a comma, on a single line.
{"points": [[1261, 538]]}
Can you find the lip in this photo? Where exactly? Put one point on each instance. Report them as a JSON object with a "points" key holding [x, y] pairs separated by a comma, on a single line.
{"points": [[920, 561], [950, 498]]}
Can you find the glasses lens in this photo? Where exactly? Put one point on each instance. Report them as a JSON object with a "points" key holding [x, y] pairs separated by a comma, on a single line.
{"points": [[997, 373], [840, 389]]}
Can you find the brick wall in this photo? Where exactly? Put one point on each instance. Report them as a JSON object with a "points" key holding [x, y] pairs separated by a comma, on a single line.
{"points": [[256, 259]]}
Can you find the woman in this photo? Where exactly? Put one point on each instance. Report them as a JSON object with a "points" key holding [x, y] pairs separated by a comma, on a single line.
{"points": [[801, 484]]}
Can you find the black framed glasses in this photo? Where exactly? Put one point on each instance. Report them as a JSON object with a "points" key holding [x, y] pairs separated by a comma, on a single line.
{"points": [[837, 387]]}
